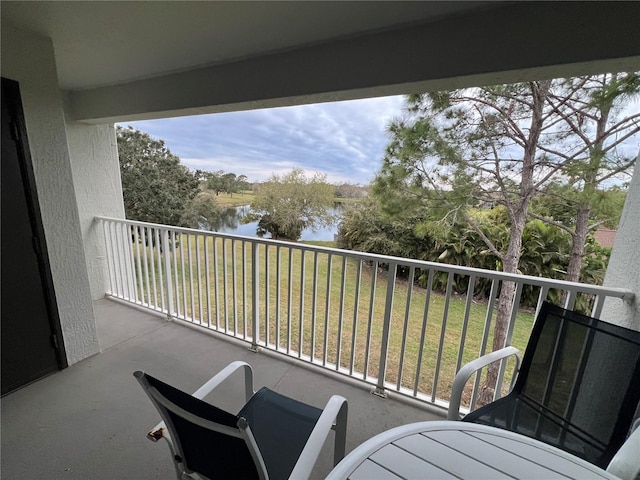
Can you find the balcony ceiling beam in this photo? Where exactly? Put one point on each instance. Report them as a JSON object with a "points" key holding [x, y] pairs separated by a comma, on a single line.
{"points": [[510, 43]]}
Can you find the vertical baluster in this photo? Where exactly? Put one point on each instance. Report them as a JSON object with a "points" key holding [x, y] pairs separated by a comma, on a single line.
{"points": [[177, 242], [443, 332], [386, 329], [314, 306], [160, 263], [127, 251], [405, 329], [301, 318], [167, 270], [512, 322], [267, 295], [597, 306], [367, 352], [244, 288], [571, 299], [224, 284], [255, 301], [207, 278], [544, 291], [191, 285], [465, 321], [495, 283], [289, 299], [150, 234], [133, 255], [216, 280], [278, 283], [234, 283], [423, 332], [140, 283], [354, 329], [184, 236], [325, 350], [343, 285], [199, 279], [126, 277]]}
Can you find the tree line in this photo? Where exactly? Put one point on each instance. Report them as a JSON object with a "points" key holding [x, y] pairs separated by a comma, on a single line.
{"points": [[157, 188]]}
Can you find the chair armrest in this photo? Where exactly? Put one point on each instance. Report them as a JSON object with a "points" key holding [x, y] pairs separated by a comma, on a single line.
{"points": [[469, 369], [333, 416], [225, 373], [160, 431], [625, 462]]}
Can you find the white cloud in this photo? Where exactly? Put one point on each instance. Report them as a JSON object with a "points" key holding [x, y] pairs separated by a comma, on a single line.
{"points": [[344, 140]]}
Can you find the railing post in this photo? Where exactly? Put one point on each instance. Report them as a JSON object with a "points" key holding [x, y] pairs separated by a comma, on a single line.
{"points": [[386, 329], [108, 255], [255, 297], [166, 246]]}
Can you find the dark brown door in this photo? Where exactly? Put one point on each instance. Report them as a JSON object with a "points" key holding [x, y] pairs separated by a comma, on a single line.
{"points": [[29, 322]]}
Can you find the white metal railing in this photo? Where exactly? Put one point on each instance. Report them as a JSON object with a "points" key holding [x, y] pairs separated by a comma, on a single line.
{"points": [[358, 314]]}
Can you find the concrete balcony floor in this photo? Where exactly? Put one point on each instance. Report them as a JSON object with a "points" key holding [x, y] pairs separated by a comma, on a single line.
{"points": [[90, 420]]}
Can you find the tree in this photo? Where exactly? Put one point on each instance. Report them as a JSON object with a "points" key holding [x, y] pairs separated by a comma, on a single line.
{"points": [[365, 227], [285, 205], [242, 183], [589, 108], [557, 205], [202, 213], [229, 183], [350, 190], [155, 186], [503, 145], [220, 181], [468, 148], [213, 181], [545, 247]]}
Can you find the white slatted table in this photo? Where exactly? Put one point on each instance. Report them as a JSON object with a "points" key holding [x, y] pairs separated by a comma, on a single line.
{"points": [[450, 450]]}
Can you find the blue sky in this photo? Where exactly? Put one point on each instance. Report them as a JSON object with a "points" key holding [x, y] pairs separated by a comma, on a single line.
{"points": [[344, 140]]}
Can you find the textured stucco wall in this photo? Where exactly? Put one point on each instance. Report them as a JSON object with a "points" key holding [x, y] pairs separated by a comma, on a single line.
{"points": [[624, 266], [30, 60], [96, 177]]}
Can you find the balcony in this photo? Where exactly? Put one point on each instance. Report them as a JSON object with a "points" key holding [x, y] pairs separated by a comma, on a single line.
{"points": [[312, 321], [90, 420], [85, 421]]}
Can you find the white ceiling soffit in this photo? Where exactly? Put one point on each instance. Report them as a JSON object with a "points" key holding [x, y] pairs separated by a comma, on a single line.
{"points": [[106, 43]]}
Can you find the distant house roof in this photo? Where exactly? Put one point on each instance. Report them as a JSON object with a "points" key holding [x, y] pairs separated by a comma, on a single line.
{"points": [[605, 237]]}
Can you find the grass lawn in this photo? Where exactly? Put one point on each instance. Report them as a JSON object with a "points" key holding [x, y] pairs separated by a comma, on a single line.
{"points": [[326, 313], [236, 200]]}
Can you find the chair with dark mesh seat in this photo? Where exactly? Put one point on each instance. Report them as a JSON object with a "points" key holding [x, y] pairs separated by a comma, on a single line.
{"points": [[272, 436], [578, 388]]}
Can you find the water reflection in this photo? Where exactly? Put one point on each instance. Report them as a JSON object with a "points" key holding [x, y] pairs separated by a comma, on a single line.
{"points": [[223, 220], [229, 220]]}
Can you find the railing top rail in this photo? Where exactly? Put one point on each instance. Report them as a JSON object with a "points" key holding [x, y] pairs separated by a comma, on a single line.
{"points": [[622, 293]]}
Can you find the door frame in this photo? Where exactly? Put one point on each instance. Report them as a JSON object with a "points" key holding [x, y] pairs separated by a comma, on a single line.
{"points": [[13, 99]]}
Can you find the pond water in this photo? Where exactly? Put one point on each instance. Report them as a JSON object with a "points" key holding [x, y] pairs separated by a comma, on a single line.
{"points": [[230, 221]]}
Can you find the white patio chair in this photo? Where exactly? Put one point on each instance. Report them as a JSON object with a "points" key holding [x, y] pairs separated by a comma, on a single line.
{"points": [[271, 437]]}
